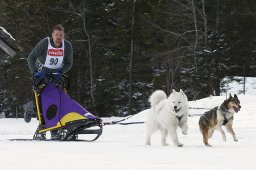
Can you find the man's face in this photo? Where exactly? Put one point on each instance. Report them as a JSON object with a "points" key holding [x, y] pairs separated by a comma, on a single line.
{"points": [[57, 36]]}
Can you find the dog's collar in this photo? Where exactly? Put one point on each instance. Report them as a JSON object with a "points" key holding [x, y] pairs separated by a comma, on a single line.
{"points": [[179, 117], [224, 110]]}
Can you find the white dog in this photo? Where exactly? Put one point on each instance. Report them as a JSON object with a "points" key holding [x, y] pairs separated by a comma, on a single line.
{"points": [[166, 115]]}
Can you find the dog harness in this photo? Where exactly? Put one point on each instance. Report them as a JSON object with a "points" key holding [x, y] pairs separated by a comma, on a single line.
{"points": [[179, 117], [205, 117], [226, 119]]}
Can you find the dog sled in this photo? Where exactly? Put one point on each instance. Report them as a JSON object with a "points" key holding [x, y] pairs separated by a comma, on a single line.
{"points": [[57, 111]]}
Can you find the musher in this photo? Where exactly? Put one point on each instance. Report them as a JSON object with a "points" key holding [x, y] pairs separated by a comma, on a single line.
{"points": [[51, 55]]}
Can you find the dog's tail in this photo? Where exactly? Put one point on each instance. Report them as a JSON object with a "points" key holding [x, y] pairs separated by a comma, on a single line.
{"points": [[156, 97]]}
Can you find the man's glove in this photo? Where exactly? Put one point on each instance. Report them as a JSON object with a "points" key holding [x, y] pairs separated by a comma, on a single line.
{"points": [[38, 74]]}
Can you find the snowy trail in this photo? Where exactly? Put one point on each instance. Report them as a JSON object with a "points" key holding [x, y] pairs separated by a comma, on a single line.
{"points": [[123, 146]]}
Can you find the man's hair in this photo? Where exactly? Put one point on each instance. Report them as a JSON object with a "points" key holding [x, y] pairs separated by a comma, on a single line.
{"points": [[58, 27]]}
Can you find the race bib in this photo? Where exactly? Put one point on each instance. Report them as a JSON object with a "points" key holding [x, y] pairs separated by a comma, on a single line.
{"points": [[54, 58]]}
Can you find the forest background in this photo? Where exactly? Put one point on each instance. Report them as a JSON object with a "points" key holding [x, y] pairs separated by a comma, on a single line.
{"points": [[126, 49]]}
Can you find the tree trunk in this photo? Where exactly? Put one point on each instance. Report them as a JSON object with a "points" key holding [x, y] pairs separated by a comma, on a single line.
{"points": [[205, 24], [131, 58], [90, 58], [196, 33], [217, 14]]}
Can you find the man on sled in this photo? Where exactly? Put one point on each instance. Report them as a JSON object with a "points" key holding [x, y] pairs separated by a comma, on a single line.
{"points": [[51, 55], [56, 111]]}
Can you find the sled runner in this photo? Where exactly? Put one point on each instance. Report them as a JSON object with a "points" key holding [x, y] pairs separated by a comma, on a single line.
{"points": [[58, 111]]}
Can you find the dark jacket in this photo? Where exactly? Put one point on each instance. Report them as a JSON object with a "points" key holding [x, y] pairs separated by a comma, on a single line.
{"points": [[39, 53]]}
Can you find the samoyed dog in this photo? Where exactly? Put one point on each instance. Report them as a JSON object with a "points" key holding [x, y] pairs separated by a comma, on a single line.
{"points": [[166, 115]]}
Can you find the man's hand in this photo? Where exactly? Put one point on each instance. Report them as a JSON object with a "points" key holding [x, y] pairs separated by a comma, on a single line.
{"points": [[38, 74]]}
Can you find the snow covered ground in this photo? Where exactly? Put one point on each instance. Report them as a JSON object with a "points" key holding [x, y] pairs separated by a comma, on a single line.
{"points": [[122, 147]]}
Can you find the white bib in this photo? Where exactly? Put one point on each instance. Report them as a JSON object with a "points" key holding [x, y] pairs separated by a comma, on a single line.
{"points": [[54, 58]]}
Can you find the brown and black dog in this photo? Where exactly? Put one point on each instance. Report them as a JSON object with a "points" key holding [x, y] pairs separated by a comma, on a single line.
{"points": [[219, 116]]}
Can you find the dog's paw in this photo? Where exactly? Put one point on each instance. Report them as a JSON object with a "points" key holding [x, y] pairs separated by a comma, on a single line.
{"points": [[180, 145], [235, 139], [148, 143], [184, 132], [208, 145], [165, 144]]}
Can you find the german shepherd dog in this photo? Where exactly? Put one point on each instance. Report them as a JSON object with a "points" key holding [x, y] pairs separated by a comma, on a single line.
{"points": [[219, 116]]}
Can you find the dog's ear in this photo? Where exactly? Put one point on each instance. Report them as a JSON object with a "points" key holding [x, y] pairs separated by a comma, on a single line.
{"points": [[173, 90], [235, 96], [181, 91], [230, 96]]}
